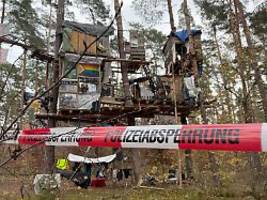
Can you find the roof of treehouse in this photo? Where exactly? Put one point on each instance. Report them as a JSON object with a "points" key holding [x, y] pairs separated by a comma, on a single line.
{"points": [[77, 36], [90, 29], [183, 34]]}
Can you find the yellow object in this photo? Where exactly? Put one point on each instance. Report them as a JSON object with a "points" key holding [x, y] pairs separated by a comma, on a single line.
{"points": [[62, 164], [36, 105]]}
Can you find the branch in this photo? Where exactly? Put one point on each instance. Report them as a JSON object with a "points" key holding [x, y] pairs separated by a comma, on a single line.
{"points": [[41, 54], [230, 90]]}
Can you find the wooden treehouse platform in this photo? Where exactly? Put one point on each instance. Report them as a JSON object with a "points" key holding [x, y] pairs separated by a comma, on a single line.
{"points": [[144, 110]]}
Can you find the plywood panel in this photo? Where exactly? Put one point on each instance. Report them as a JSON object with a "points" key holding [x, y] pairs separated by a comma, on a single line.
{"points": [[89, 40], [81, 39], [77, 43], [74, 41]]}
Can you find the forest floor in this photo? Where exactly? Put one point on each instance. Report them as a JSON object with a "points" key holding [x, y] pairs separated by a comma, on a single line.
{"points": [[13, 188], [169, 192]]}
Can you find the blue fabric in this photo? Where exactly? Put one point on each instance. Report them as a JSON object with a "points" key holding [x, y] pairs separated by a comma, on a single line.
{"points": [[183, 35]]}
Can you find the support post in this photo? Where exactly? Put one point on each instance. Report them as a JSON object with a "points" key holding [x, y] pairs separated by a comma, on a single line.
{"points": [[50, 151], [136, 155], [188, 156], [124, 69]]}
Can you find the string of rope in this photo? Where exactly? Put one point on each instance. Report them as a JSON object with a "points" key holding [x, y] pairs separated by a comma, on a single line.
{"points": [[63, 76]]}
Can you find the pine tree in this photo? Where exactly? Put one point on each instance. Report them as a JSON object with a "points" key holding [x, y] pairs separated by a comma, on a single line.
{"points": [[25, 22], [98, 12]]}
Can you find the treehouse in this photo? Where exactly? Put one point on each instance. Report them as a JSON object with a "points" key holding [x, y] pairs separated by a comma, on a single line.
{"points": [[77, 36], [176, 51], [81, 89], [89, 87], [135, 50], [179, 63], [93, 90], [178, 84]]}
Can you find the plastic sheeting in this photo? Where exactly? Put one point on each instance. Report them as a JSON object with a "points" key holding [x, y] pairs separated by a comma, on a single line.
{"points": [[189, 82], [183, 34]]}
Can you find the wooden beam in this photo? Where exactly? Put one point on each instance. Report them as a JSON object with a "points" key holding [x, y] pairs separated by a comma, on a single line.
{"points": [[40, 54], [127, 61]]}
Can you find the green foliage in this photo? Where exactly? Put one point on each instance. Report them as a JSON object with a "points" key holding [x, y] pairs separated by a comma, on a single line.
{"points": [[35, 74], [96, 9], [258, 21], [154, 41], [25, 22], [216, 12]]}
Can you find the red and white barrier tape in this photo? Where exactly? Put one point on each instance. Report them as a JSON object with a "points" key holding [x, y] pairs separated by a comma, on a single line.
{"points": [[226, 137]]}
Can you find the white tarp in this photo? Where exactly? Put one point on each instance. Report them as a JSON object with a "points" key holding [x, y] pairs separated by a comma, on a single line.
{"points": [[104, 159], [190, 85], [85, 101]]}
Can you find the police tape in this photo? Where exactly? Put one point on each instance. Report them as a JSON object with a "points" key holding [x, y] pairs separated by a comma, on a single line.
{"points": [[225, 137]]}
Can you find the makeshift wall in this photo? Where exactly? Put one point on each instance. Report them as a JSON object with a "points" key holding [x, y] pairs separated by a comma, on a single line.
{"points": [[167, 82], [73, 42]]}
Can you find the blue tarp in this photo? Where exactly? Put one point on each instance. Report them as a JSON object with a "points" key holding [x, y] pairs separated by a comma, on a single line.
{"points": [[183, 35]]}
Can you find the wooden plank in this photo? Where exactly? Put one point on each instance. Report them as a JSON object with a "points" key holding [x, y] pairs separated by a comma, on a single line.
{"points": [[90, 39], [126, 60], [74, 41], [74, 117], [81, 40], [111, 100]]}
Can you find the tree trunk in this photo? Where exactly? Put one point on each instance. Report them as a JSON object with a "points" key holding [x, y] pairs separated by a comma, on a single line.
{"points": [[252, 56], [23, 86], [23, 79], [188, 157], [3, 14], [50, 151], [36, 77], [136, 155], [124, 69], [173, 28], [191, 39], [214, 167], [48, 45], [234, 28], [255, 162], [228, 99], [3, 11]]}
